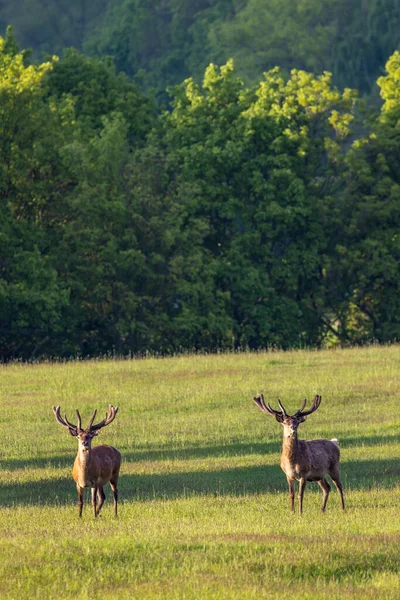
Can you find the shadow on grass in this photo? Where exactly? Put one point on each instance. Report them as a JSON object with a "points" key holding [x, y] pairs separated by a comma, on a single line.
{"points": [[45, 491], [357, 475], [152, 455], [373, 440], [366, 474], [165, 453], [143, 487], [53, 462], [192, 452], [241, 481]]}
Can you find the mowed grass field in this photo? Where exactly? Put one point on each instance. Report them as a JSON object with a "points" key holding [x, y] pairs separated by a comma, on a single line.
{"points": [[204, 508]]}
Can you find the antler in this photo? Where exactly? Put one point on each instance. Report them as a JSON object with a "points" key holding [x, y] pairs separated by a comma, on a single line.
{"points": [[109, 418], [296, 414], [282, 408], [64, 422], [267, 408], [303, 413], [259, 400], [79, 420], [92, 419]]}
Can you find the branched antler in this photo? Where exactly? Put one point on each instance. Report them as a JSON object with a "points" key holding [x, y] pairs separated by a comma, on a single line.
{"points": [[303, 413], [259, 400], [109, 418], [64, 422]]}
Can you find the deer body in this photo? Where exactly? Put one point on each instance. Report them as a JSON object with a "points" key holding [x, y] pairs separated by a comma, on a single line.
{"points": [[305, 460], [309, 459], [93, 467], [96, 467]]}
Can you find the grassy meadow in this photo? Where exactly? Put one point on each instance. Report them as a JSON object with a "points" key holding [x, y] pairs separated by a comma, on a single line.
{"points": [[204, 507]]}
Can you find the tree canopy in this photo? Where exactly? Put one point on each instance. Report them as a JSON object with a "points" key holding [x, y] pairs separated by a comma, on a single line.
{"points": [[247, 215], [166, 41]]}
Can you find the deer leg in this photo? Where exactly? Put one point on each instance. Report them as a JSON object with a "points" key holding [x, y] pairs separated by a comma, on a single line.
{"points": [[113, 484], [100, 498], [336, 480], [302, 487], [291, 493], [80, 491], [326, 488], [94, 494]]}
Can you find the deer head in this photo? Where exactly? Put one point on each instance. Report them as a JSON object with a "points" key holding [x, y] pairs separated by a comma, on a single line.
{"points": [[85, 436], [289, 422]]}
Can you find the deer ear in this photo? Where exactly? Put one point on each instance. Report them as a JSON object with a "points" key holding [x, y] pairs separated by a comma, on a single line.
{"points": [[301, 419], [73, 432], [279, 418]]}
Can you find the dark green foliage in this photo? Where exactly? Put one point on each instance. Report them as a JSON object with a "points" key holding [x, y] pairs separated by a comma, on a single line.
{"points": [[32, 184], [166, 41], [49, 27], [352, 40], [64, 216], [365, 263], [96, 90], [32, 298], [241, 217], [245, 166], [161, 41]]}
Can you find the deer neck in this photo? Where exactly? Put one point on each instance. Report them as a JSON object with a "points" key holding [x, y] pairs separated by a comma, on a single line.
{"points": [[83, 464], [290, 446], [84, 457]]}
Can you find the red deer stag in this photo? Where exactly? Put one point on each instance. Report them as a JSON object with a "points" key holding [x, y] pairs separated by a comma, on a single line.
{"points": [[93, 467], [305, 460]]}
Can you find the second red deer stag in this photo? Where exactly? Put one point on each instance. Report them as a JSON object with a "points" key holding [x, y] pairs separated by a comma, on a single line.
{"points": [[93, 467], [305, 460]]}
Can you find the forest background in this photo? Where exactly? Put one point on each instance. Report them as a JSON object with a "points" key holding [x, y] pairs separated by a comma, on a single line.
{"points": [[152, 201]]}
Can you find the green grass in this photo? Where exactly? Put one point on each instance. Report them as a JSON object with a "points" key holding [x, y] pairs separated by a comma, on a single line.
{"points": [[204, 508]]}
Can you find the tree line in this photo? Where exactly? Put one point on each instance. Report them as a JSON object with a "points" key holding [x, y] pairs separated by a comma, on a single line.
{"points": [[166, 41], [244, 216]]}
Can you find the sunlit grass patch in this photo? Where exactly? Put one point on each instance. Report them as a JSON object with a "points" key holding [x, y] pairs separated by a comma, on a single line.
{"points": [[204, 509]]}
